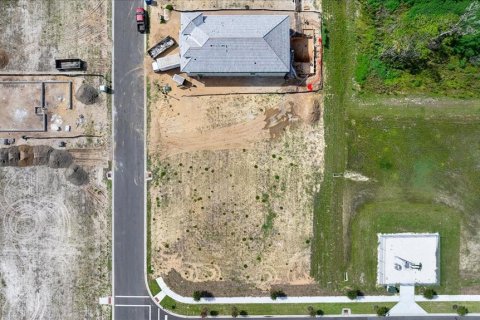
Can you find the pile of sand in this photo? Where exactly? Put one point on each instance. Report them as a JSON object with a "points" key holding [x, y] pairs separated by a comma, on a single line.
{"points": [[86, 94], [3, 59]]}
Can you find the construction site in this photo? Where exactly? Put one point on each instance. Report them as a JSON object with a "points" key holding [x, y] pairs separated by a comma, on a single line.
{"points": [[236, 160], [54, 155]]}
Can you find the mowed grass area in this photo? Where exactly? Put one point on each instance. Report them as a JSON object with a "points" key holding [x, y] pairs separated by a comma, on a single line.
{"points": [[447, 307], [424, 178], [396, 216], [422, 155], [272, 309], [327, 260]]}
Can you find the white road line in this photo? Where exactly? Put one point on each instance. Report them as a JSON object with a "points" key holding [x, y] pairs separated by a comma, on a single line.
{"points": [[166, 317], [158, 314], [136, 306], [139, 297]]}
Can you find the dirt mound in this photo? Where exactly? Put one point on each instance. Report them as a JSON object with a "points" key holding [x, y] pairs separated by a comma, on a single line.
{"points": [[26, 156], [59, 159], [309, 112], [41, 154], [3, 59], [87, 94], [76, 175]]}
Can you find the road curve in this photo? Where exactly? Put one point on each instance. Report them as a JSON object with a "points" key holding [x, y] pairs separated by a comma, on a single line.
{"points": [[131, 298]]}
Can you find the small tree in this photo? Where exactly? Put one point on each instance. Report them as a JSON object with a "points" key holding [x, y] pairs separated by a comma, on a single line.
{"points": [[204, 312], [311, 311], [429, 293], [274, 294], [352, 294], [462, 310], [169, 7], [197, 295], [234, 312], [382, 311]]}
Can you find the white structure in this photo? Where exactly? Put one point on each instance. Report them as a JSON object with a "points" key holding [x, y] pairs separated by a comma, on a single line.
{"points": [[166, 63], [408, 258]]}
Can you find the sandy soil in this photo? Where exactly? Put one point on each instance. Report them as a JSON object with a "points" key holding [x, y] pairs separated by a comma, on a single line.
{"points": [[54, 243], [233, 186], [34, 33]]}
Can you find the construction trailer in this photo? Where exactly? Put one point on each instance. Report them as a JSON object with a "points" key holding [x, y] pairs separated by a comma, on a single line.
{"points": [[166, 63]]}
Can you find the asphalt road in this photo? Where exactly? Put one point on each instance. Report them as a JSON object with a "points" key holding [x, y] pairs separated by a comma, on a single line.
{"points": [[131, 299]]}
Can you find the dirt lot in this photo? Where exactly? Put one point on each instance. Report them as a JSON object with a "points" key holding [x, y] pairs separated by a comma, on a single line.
{"points": [[34, 33], [54, 244], [232, 195], [54, 235]]}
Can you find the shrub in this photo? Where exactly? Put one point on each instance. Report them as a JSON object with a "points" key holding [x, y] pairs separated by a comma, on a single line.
{"points": [[320, 312], [311, 311], [352, 294], [214, 313], [204, 312], [382, 311], [169, 7], [462, 310], [234, 312], [197, 295], [274, 294], [243, 313], [429, 293]]}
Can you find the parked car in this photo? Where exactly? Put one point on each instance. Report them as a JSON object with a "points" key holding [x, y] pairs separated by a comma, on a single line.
{"points": [[141, 18]]}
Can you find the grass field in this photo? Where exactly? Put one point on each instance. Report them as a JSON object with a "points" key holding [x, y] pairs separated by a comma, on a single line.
{"points": [[327, 259], [272, 309], [447, 307], [422, 155]]}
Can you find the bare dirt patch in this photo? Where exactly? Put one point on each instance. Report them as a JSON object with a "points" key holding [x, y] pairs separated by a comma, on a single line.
{"points": [[34, 33], [54, 243], [232, 195]]}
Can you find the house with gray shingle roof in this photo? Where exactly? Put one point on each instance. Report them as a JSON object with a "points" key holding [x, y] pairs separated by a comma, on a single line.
{"points": [[234, 45]]}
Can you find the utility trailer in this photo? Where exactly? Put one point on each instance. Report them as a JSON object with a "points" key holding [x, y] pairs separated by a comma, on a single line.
{"points": [[160, 47], [166, 63], [68, 64]]}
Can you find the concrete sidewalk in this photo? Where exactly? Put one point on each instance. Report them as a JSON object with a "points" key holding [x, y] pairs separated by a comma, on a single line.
{"points": [[306, 299]]}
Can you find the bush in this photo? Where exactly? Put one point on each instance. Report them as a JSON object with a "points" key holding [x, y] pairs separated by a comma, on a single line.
{"points": [[274, 294], [429, 293], [382, 311], [197, 295], [462, 310], [234, 312], [320, 312], [169, 7], [352, 294], [214, 313], [311, 311], [243, 313]]}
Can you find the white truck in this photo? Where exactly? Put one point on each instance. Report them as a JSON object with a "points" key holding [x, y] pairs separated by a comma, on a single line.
{"points": [[166, 63]]}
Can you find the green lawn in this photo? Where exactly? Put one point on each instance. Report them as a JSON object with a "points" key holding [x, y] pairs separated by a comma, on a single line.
{"points": [[447, 307], [271, 309], [423, 166], [397, 216], [327, 262]]}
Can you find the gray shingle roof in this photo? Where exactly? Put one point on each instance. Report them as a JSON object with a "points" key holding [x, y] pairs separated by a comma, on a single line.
{"points": [[234, 43]]}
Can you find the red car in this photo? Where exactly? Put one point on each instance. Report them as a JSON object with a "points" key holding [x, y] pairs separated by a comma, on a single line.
{"points": [[141, 18]]}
